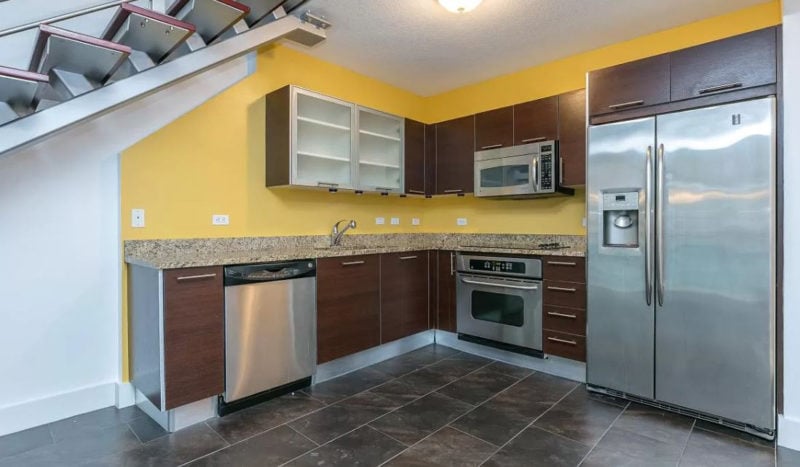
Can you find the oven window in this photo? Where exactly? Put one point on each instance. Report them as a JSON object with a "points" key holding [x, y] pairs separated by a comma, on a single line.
{"points": [[505, 176], [498, 308]]}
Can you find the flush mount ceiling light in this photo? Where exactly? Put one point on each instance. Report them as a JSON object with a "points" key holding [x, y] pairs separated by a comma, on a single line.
{"points": [[459, 6]]}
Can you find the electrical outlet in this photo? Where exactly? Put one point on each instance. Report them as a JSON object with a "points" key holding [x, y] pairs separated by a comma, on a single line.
{"points": [[461, 221], [137, 218], [395, 221], [220, 219], [380, 221], [414, 221], [583, 222]]}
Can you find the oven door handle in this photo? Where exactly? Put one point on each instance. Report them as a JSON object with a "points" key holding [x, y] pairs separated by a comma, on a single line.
{"points": [[494, 284]]}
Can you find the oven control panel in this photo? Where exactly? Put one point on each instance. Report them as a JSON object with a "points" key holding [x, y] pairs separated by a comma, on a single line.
{"points": [[499, 265], [481, 265]]}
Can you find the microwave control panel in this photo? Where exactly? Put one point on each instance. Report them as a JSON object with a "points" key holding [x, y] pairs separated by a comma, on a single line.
{"points": [[546, 166]]}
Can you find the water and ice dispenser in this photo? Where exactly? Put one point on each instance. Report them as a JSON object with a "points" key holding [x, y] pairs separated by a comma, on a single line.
{"points": [[621, 219]]}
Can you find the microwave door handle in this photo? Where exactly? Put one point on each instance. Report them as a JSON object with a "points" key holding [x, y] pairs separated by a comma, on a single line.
{"points": [[535, 173], [508, 286]]}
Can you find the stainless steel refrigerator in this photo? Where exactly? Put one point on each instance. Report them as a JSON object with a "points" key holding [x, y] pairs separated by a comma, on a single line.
{"points": [[681, 261]]}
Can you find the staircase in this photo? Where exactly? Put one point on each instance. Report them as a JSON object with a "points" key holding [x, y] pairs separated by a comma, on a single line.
{"points": [[73, 76]]}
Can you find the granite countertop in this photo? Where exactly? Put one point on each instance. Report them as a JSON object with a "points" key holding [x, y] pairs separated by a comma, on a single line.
{"points": [[183, 253]]}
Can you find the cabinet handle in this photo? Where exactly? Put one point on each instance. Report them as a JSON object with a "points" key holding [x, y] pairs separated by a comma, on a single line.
{"points": [[327, 184], [562, 289], [384, 188], [626, 104], [416, 192], [562, 315], [560, 171], [197, 277], [562, 263], [492, 146], [721, 87], [352, 263], [533, 140], [452, 266], [404, 258], [453, 191], [562, 341]]}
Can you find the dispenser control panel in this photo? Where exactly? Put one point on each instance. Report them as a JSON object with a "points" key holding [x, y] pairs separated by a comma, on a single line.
{"points": [[621, 201]]}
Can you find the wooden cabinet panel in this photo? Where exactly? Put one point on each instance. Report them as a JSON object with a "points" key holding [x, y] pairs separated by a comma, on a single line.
{"points": [[572, 137], [194, 335], [569, 294], [564, 345], [568, 320], [414, 157], [739, 62], [630, 85], [348, 306], [536, 120], [455, 153], [430, 160], [494, 129], [404, 294], [564, 268], [446, 292]]}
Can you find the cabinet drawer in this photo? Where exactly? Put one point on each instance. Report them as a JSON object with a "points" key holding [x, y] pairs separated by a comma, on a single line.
{"points": [[739, 62], [194, 335], [564, 345], [569, 294], [564, 268], [569, 320], [629, 85], [494, 129]]}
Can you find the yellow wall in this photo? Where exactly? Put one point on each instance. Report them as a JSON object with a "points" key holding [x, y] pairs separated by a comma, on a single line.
{"points": [[211, 161]]}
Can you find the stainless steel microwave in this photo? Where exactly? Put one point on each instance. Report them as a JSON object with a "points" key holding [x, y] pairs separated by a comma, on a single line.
{"points": [[527, 170]]}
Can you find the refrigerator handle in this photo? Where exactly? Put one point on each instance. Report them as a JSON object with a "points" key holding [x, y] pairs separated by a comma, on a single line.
{"points": [[648, 227], [660, 225]]}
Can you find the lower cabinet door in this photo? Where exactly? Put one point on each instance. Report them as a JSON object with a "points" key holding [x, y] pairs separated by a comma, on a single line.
{"points": [[446, 292], [194, 335], [348, 306], [404, 294]]}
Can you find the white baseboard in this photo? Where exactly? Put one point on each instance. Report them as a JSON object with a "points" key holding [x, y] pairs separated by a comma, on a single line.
{"points": [[789, 432], [37, 412], [126, 395]]}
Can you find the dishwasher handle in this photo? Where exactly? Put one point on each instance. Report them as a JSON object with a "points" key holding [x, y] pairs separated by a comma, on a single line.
{"points": [[269, 272]]}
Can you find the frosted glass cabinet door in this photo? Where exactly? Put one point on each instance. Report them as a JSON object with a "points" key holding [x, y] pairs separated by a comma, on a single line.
{"points": [[323, 140], [380, 151]]}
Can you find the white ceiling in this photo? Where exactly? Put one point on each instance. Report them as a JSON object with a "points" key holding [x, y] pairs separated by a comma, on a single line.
{"points": [[419, 46]]}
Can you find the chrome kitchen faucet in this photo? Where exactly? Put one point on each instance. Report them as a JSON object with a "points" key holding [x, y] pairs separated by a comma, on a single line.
{"points": [[336, 234]]}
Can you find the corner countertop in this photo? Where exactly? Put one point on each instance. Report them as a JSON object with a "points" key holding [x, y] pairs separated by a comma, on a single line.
{"points": [[185, 253]]}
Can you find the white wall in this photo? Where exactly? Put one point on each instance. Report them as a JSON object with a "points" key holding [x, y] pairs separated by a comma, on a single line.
{"points": [[789, 424], [59, 283]]}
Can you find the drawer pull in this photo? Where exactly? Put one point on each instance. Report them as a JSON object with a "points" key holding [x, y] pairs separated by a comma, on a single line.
{"points": [[622, 105], [352, 263], [562, 341], [197, 277], [417, 192], [533, 140], [454, 191], [404, 258], [328, 184], [562, 289], [384, 188], [562, 263], [492, 146], [721, 87], [562, 315]]}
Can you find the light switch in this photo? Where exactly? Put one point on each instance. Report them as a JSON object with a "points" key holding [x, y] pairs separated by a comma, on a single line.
{"points": [[220, 219], [380, 220], [137, 218], [414, 221], [461, 221], [395, 221]]}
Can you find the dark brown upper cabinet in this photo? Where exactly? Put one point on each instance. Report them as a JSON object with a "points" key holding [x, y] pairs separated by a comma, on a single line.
{"points": [[414, 157], [494, 129], [455, 153], [536, 120], [572, 137], [348, 306], [430, 160], [739, 62], [630, 85]]}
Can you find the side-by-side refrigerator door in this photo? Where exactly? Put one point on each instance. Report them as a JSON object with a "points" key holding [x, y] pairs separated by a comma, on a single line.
{"points": [[620, 328], [715, 319]]}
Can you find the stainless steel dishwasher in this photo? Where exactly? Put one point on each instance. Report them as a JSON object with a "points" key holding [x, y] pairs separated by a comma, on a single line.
{"points": [[270, 331]]}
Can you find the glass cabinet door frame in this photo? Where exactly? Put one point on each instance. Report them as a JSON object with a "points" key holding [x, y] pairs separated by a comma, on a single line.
{"points": [[357, 162]]}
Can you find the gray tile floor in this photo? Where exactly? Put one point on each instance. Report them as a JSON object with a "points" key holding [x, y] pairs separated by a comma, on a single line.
{"points": [[433, 406]]}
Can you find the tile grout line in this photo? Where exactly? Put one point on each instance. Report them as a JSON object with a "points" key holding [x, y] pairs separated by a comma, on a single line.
{"points": [[686, 443], [228, 444], [316, 444], [470, 435], [605, 432], [391, 411], [530, 424]]}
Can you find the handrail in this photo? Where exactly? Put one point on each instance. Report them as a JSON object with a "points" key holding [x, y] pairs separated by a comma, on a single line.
{"points": [[65, 16]]}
